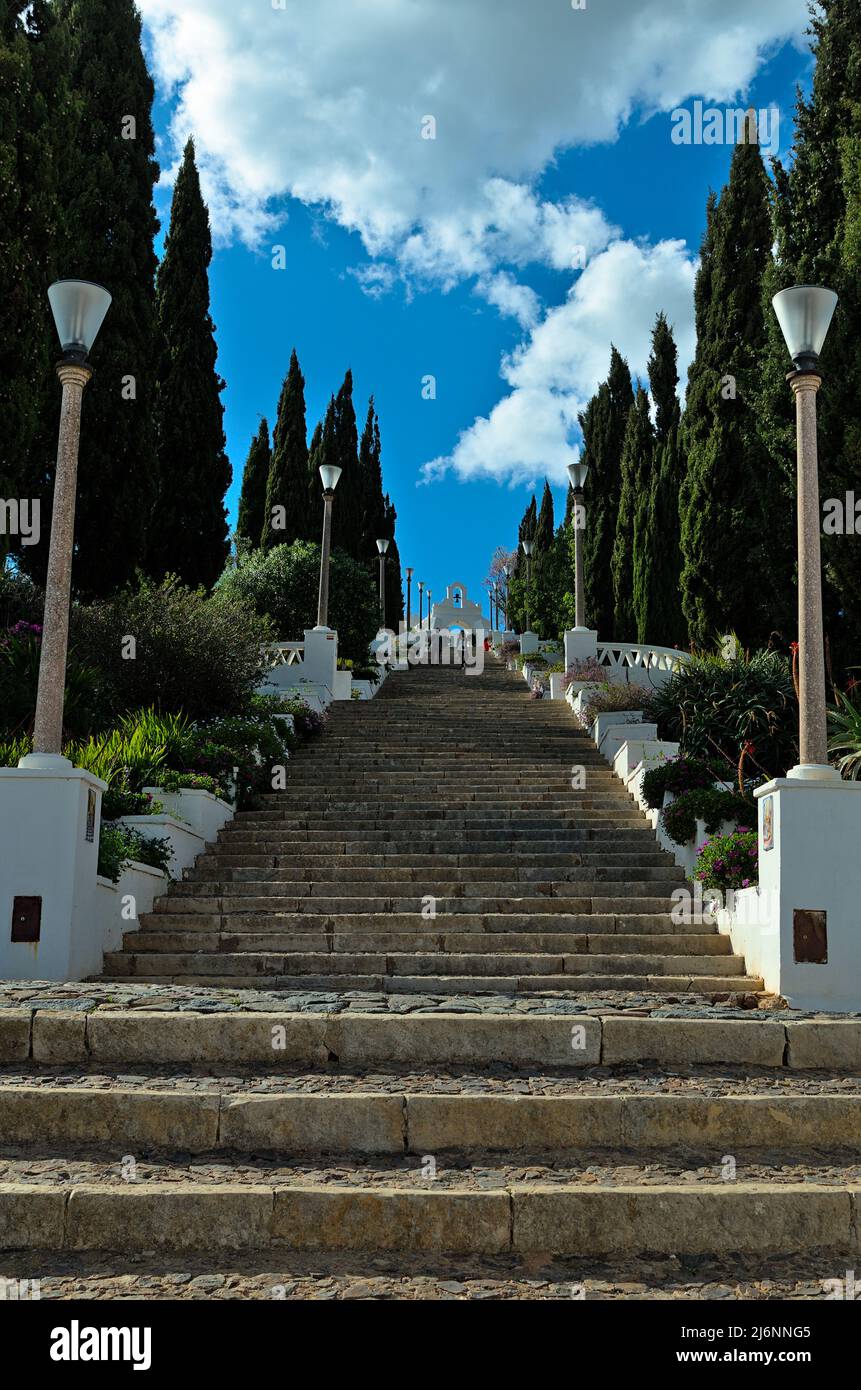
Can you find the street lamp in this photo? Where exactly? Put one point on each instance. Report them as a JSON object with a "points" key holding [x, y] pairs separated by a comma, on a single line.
{"points": [[329, 475], [527, 550], [382, 547], [429, 609], [804, 313], [506, 570], [79, 308], [421, 604], [577, 478], [409, 586]]}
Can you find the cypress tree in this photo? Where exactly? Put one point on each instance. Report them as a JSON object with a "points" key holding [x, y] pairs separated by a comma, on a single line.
{"points": [[636, 467], [371, 484], [816, 214], [33, 107], [727, 579], [657, 544], [394, 582], [290, 486], [322, 451], [188, 535], [105, 188], [347, 514], [604, 423], [251, 522]]}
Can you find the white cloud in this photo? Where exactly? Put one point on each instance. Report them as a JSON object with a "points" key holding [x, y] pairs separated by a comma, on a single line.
{"points": [[324, 100], [531, 433]]}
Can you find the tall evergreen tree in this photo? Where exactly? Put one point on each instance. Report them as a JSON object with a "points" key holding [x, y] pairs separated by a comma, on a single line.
{"points": [[105, 187], [394, 581], [322, 451], [33, 108], [657, 542], [251, 522], [636, 468], [290, 489], [817, 220], [188, 534], [603, 423], [727, 581], [371, 483], [347, 514]]}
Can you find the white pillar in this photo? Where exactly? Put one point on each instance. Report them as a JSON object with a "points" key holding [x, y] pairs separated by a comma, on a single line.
{"points": [[49, 830], [808, 932]]}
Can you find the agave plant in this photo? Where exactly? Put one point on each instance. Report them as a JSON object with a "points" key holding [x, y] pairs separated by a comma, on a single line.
{"points": [[845, 724]]}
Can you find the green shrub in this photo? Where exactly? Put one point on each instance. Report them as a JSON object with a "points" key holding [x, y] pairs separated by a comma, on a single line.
{"points": [[729, 861], [678, 775], [716, 707], [120, 801], [845, 726], [707, 804], [119, 845], [172, 781], [197, 654], [283, 583], [20, 653]]}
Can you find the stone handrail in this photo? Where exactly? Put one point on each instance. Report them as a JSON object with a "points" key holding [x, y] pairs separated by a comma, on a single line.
{"points": [[286, 653], [619, 655]]}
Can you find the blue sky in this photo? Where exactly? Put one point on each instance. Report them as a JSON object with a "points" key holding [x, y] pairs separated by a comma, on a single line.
{"points": [[447, 257]]}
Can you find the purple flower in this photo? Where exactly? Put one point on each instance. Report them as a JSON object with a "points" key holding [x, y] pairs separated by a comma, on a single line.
{"points": [[745, 883]]}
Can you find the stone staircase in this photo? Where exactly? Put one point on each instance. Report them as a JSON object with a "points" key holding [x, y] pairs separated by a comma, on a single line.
{"points": [[292, 1084], [434, 843]]}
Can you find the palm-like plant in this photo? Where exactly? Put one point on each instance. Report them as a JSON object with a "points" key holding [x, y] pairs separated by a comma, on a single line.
{"points": [[845, 724]]}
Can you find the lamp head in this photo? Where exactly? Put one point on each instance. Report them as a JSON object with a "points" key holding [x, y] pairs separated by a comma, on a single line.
{"points": [[577, 475], [409, 571], [382, 546], [804, 313], [527, 547], [329, 475], [79, 308]]}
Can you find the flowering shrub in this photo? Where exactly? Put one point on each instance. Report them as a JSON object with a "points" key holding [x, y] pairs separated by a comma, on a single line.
{"points": [[729, 861], [120, 845], [189, 780], [585, 671], [508, 650]]}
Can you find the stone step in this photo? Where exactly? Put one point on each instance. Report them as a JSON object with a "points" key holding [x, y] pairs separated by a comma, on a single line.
{"points": [[373, 883], [602, 898], [403, 1122], [406, 866], [153, 939], [145, 970], [658, 923], [409, 1214], [353, 1038]]}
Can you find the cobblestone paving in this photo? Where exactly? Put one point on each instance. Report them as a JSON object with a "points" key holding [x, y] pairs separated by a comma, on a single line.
{"points": [[709, 1081], [332, 1278], [91, 996], [473, 1172]]}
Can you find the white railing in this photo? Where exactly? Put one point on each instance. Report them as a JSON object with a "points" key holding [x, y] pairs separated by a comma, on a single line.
{"points": [[622, 658], [286, 653]]}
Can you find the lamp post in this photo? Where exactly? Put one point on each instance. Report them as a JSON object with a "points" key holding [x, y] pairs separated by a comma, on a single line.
{"points": [[506, 571], [804, 313], [329, 475], [79, 308], [429, 609], [577, 478], [421, 604], [527, 550], [382, 547], [409, 587]]}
